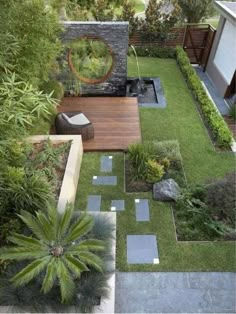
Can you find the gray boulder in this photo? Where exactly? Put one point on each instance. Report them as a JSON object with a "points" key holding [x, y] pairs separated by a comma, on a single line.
{"points": [[166, 190]]}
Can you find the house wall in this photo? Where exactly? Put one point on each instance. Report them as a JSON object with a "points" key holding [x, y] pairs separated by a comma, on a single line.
{"points": [[211, 69]]}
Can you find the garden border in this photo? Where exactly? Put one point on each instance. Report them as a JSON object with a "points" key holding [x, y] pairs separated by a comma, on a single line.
{"points": [[72, 170]]}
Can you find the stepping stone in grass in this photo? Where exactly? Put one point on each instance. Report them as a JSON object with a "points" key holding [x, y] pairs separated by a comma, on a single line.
{"points": [[117, 205], [94, 203], [106, 164], [142, 210], [142, 249], [104, 180]]}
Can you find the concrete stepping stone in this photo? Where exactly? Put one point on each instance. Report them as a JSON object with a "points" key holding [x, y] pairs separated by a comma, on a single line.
{"points": [[142, 210], [117, 205], [94, 203], [142, 249], [104, 180], [106, 164]]}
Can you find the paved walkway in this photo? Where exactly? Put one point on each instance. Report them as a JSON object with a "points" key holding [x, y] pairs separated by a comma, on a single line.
{"points": [[175, 292], [218, 100]]}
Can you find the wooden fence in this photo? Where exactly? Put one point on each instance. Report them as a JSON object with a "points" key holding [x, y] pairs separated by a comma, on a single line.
{"points": [[196, 39]]}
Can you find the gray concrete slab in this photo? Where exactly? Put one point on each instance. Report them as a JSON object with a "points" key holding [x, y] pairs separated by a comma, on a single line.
{"points": [[104, 180], [188, 292], [142, 210], [106, 164], [117, 205], [94, 203], [142, 249]]}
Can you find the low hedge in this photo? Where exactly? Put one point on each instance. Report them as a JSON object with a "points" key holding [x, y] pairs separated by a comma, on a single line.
{"points": [[154, 51], [219, 128]]}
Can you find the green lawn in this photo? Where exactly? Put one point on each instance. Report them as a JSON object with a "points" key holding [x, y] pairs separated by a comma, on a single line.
{"points": [[181, 121], [138, 5]]}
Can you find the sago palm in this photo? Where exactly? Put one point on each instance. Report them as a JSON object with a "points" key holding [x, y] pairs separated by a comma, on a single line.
{"points": [[58, 247]]}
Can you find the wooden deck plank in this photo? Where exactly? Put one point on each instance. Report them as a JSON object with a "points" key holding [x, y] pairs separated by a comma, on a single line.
{"points": [[115, 119]]}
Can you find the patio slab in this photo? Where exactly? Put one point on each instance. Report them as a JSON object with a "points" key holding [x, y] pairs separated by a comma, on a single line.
{"points": [[94, 203], [142, 249], [142, 210], [106, 164], [175, 292], [117, 205], [104, 180]]}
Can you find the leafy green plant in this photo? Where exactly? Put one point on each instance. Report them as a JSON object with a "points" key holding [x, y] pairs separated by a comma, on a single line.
{"points": [[170, 150], [233, 111], [23, 190], [21, 105], [221, 198], [165, 162], [155, 51], [59, 247], [53, 88], [220, 130], [154, 171], [138, 154]]}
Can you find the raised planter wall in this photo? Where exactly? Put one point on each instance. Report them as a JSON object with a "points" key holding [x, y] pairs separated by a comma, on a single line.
{"points": [[72, 171]]}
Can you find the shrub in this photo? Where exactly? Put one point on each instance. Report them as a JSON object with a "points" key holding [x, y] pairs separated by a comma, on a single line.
{"points": [[221, 198], [154, 171], [138, 155], [155, 51], [22, 190], [165, 162], [169, 150], [54, 88], [21, 105], [220, 130]]}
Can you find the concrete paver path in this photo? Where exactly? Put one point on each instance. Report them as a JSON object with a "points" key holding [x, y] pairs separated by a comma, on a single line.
{"points": [[154, 292]]}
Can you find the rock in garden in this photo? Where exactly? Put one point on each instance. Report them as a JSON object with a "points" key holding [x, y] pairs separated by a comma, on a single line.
{"points": [[166, 190]]}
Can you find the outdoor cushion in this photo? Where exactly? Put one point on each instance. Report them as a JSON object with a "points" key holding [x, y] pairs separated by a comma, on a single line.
{"points": [[79, 119]]}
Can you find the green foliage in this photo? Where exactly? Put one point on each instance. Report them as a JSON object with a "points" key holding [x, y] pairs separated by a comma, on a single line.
{"points": [[220, 130], [195, 11], [58, 249], [155, 51], [53, 88], [21, 106], [221, 198], [154, 171], [128, 14], [103, 10], [35, 42], [169, 150], [138, 154], [160, 17], [22, 190]]}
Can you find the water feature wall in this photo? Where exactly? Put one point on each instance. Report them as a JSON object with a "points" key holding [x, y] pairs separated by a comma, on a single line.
{"points": [[116, 36]]}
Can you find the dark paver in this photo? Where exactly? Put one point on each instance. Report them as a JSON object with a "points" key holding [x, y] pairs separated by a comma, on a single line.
{"points": [[94, 203], [188, 292], [104, 180], [142, 249], [142, 210], [117, 205], [106, 164]]}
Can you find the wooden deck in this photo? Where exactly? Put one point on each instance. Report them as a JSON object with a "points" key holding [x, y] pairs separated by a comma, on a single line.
{"points": [[115, 119]]}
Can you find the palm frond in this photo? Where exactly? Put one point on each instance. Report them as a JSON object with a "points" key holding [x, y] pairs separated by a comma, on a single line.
{"points": [[67, 285], [75, 265], [46, 225], [64, 221], [30, 271], [91, 245], [91, 260], [82, 226], [50, 276], [21, 253], [33, 224], [27, 242]]}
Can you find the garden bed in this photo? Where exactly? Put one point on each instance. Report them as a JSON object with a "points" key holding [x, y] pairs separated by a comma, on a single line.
{"points": [[68, 185]]}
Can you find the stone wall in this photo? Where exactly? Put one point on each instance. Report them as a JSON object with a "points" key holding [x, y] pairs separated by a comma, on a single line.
{"points": [[116, 36]]}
